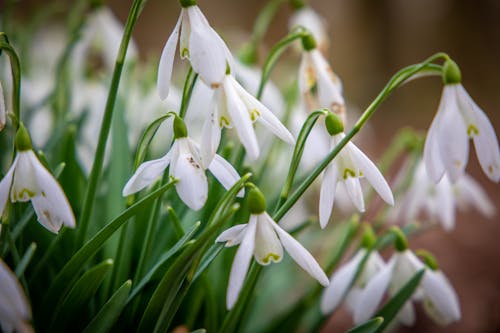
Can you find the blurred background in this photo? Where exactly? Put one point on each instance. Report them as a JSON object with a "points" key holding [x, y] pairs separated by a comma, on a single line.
{"points": [[370, 41]]}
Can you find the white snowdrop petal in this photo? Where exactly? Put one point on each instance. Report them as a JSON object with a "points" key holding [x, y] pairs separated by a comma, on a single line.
{"points": [[339, 284], [440, 298], [232, 236], [372, 294], [167, 61], [470, 192], [24, 183], [146, 174], [192, 185], [5, 185], [2, 109], [301, 256], [267, 245], [355, 192], [210, 136], [241, 263], [225, 173], [407, 314], [327, 194], [445, 203], [372, 173]]}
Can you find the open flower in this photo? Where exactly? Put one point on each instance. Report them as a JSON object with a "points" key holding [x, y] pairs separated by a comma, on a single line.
{"points": [[15, 311], [459, 118], [439, 202], [318, 84], [263, 239], [187, 166], [234, 106], [305, 16], [205, 49], [346, 169], [27, 179]]}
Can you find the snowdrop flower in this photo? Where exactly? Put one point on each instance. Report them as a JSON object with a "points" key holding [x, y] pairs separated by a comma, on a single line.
{"points": [[15, 311], [459, 118], [305, 16], [342, 279], [318, 84], [2, 109], [440, 201], [187, 166], [263, 239], [346, 169], [205, 49], [27, 179], [234, 106]]}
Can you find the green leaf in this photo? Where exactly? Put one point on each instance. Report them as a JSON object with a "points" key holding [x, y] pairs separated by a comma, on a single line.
{"points": [[370, 326], [25, 260], [66, 277], [211, 254], [391, 308], [69, 309], [109, 313], [145, 141]]}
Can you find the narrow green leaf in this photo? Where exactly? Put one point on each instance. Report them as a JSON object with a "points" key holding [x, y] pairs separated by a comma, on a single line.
{"points": [[69, 309], [211, 254], [66, 277], [109, 313], [370, 326], [391, 308], [25, 260], [145, 141]]}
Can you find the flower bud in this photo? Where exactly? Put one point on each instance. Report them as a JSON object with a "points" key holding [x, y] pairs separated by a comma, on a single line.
{"points": [[429, 260], [451, 72], [297, 4], [308, 42], [187, 3], [22, 139], [256, 201], [400, 242], [334, 124], [180, 130], [369, 238]]}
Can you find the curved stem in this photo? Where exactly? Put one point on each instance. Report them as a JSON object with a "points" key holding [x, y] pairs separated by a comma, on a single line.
{"points": [[187, 91], [88, 202], [15, 66]]}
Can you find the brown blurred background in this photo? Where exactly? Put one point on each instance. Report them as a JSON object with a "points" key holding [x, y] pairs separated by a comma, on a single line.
{"points": [[370, 40]]}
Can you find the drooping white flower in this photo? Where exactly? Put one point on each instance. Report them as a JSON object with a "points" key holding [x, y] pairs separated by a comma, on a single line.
{"points": [[446, 148], [2, 109], [188, 167], [235, 107], [263, 239], [15, 311], [27, 179], [318, 84], [205, 49], [440, 201], [308, 18], [343, 277], [346, 169]]}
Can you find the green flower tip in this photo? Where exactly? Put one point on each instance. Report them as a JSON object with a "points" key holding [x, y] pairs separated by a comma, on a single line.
{"points": [[96, 3], [256, 201], [187, 3], [451, 72], [180, 129], [400, 242], [297, 4], [334, 124], [308, 42], [429, 260], [369, 238], [22, 140], [248, 54]]}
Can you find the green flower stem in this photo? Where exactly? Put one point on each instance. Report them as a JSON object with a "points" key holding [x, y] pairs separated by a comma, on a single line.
{"points": [[15, 66], [187, 91], [88, 202], [398, 79], [297, 153]]}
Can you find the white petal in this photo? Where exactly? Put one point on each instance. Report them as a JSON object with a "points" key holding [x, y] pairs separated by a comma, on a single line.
{"points": [[145, 174], [407, 314], [51, 205], [268, 247], [372, 294], [167, 61], [2, 109], [355, 192], [232, 236], [241, 119], [371, 172], [207, 53], [340, 283], [453, 141], [327, 194], [211, 134], [225, 173], [240, 263], [445, 203], [5, 185], [192, 186], [301, 256], [440, 300], [470, 192], [24, 184]]}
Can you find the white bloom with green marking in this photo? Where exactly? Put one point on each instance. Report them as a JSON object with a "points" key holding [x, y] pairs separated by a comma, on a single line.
{"points": [[308, 18]]}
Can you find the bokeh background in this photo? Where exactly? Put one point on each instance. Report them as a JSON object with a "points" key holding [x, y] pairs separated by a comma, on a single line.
{"points": [[370, 40]]}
